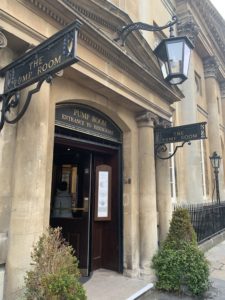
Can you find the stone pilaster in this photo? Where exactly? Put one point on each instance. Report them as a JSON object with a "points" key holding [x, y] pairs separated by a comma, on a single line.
{"points": [[7, 152], [211, 69], [188, 158], [222, 95], [31, 189], [163, 192], [147, 193]]}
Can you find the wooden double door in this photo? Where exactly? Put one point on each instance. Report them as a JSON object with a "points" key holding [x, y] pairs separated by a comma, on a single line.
{"points": [[94, 229]]}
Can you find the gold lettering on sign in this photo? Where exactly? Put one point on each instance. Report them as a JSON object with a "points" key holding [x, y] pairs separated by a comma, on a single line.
{"points": [[86, 120], [99, 121], [48, 65], [169, 139], [179, 133], [189, 136], [81, 114], [21, 79], [36, 67], [35, 63]]}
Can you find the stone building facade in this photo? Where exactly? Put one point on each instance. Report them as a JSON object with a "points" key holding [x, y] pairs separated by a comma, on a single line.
{"points": [[203, 102], [93, 127]]}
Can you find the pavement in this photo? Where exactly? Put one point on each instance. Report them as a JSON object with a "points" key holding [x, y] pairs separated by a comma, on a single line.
{"points": [[108, 285]]}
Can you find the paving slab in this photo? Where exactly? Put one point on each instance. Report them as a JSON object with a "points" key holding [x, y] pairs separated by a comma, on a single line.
{"points": [[109, 285]]}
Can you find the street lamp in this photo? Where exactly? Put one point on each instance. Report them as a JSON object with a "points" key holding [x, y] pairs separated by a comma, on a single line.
{"points": [[215, 161], [173, 53]]}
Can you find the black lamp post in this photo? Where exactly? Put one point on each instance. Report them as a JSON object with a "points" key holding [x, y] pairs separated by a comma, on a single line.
{"points": [[215, 161], [173, 53]]}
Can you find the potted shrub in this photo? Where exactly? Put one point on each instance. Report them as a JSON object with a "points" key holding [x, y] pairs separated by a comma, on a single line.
{"points": [[54, 274], [179, 264]]}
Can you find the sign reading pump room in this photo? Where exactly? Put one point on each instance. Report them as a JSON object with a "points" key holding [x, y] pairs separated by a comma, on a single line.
{"points": [[183, 133], [84, 119], [49, 57]]}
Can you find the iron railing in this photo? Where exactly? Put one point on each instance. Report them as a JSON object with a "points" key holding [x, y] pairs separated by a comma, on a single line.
{"points": [[207, 219]]}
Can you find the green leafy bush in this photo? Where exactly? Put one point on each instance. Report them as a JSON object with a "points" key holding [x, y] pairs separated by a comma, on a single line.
{"points": [[55, 274], [179, 265]]}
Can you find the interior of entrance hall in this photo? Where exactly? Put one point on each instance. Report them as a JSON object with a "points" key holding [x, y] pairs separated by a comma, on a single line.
{"points": [[88, 205]]}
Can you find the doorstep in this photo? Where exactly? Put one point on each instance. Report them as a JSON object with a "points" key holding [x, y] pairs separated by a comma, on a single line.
{"points": [[109, 285]]}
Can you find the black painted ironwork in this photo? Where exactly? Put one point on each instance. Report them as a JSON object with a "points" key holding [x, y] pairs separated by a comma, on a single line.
{"points": [[38, 65], [126, 30], [163, 148], [208, 219], [183, 134]]}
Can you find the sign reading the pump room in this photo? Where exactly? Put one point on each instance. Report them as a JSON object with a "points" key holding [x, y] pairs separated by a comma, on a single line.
{"points": [[184, 133], [87, 120], [51, 56]]}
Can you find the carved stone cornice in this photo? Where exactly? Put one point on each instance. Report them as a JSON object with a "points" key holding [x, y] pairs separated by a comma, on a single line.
{"points": [[147, 119], [3, 40], [100, 18], [211, 67], [188, 27], [163, 123], [214, 23], [222, 90]]}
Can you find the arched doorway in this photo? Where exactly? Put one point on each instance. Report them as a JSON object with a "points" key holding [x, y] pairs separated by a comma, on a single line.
{"points": [[87, 156]]}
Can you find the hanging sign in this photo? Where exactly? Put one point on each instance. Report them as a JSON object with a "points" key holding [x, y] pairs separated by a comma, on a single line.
{"points": [[177, 134], [51, 56]]}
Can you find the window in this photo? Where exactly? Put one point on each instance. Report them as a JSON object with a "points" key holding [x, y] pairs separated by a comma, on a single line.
{"points": [[204, 169], [198, 84], [173, 180], [218, 104]]}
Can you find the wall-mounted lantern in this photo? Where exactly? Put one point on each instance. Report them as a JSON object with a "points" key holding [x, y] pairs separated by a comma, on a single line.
{"points": [[173, 53]]}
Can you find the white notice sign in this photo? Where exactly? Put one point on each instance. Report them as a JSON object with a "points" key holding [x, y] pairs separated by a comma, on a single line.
{"points": [[103, 192]]}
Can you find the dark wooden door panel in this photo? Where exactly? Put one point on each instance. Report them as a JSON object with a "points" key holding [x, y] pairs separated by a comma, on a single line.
{"points": [[100, 245], [106, 233], [74, 231]]}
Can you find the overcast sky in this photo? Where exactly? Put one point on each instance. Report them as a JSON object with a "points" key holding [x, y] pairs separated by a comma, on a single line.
{"points": [[220, 6]]}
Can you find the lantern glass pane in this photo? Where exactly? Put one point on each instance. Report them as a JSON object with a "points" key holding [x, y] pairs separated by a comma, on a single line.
{"points": [[164, 68], [175, 56], [187, 52]]}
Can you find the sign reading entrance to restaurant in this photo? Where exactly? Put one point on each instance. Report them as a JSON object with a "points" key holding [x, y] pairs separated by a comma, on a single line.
{"points": [[184, 133], [54, 54], [87, 120]]}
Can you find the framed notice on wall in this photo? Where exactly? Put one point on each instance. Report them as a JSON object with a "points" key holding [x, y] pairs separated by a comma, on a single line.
{"points": [[103, 193]]}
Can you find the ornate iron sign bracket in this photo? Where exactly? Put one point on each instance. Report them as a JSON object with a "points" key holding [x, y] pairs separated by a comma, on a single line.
{"points": [[163, 148], [38, 65], [126, 30], [10, 101]]}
